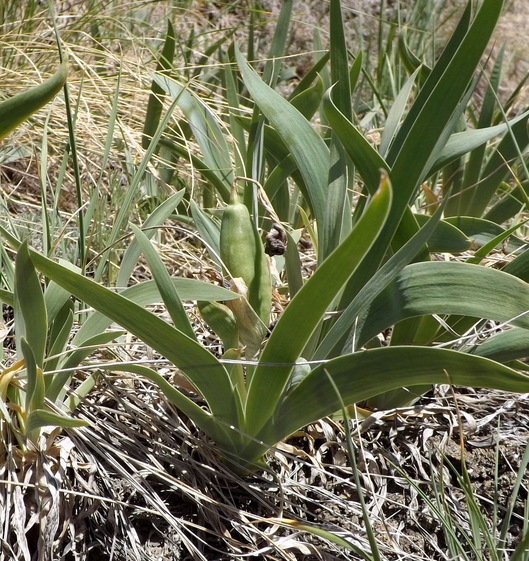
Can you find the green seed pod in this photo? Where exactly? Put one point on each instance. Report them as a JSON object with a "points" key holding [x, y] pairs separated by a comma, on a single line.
{"points": [[221, 319], [242, 252]]}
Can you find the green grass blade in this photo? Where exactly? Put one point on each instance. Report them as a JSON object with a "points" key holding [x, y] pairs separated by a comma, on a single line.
{"points": [[155, 102], [42, 418], [278, 46], [520, 553], [305, 311], [156, 218], [124, 211]]}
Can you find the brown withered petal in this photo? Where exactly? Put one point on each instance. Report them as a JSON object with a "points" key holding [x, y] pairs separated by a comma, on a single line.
{"points": [[276, 240]]}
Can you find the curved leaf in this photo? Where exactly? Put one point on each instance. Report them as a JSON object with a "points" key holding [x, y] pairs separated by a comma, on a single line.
{"points": [[198, 364], [20, 107], [29, 303], [368, 373], [506, 346], [306, 310], [43, 418], [447, 288], [205, 127], [146, 293], [308, 149]]}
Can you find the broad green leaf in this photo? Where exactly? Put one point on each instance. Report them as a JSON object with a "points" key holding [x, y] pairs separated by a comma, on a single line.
{"points": [[312, 74], [362, 375], [55, 298], [308, 101], [382, 278], [410, 61], [395, 114], [164, 284], [512, 344], [304, 313], [337, 205], [519, 266], [432, 117], [156, 218], [146, 293], [436, 75], [482, 231], [447, 288], [200, 366], [337, 199], [293, 267], [29, 302], [514, 141], [367, 160], [510, 204], [461, 143], [308, 149], [59, 335], [223, 322], [446, 238], [339, 61], [484, 250], [475, 164], [20, 107], [206, 129]]}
